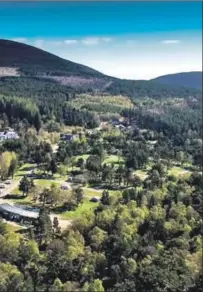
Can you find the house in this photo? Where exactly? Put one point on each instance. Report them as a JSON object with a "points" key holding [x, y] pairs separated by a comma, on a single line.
{"points": [[8, 135], [17, 214]]}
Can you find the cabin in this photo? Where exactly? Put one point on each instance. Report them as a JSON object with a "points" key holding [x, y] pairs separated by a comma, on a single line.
{"points": [[18, 214], [8, 135]]}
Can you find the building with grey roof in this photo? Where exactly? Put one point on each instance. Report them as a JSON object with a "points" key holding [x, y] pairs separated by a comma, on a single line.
{"points": [[16, 213]]}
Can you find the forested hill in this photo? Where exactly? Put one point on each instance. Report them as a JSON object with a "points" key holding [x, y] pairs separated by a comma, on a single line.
{"points": [[188, 79], [21, 64], [31, 61]]}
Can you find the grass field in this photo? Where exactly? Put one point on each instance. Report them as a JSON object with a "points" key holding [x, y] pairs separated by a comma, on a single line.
{"points": [[84, 208], [45, 182], [113, 159], [13, 227], [23, 170], [141, 173], [176, 171], [90, 192], [118, 101]]}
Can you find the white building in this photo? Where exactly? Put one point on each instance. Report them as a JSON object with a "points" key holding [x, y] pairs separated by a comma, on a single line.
{"points": [[7, 135]]}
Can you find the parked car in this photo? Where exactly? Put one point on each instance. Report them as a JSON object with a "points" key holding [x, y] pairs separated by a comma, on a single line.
{"points": [[2, 186], [8, 182], [95, 199], [65, 187]]}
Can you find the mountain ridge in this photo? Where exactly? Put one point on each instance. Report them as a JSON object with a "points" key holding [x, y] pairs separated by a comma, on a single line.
{"points": [[22, 60], [192, 79]]}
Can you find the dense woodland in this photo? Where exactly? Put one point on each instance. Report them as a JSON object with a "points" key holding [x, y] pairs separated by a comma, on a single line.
{"points": [[145, 232], [146, 238], [139, 241], [31, 61]]}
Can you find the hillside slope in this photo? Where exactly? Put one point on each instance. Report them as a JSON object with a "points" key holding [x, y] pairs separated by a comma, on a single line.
{"points": [[188, 79], [31, 61], [22, 67]]}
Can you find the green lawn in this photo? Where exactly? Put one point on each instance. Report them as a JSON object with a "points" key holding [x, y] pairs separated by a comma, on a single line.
{"points": [[90, 192], [45, 182], [24, 169], [12, 227], [141, 173], [113, 159], [16, 197], [84, 208], [16, 193], [176, 171]]}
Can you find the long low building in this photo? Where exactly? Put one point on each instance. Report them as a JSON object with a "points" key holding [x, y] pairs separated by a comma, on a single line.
{"points": [[17, 214]]}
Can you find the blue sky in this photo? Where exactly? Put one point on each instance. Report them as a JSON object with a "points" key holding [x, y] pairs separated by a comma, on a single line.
{"points": [[135, 40]]}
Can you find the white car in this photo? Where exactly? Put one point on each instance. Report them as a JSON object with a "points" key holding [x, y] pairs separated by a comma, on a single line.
{"points": [[8, 182], [2, 186]]}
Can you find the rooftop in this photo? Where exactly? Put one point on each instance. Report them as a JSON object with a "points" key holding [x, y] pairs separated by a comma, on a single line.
{"points": [[18, 211]]}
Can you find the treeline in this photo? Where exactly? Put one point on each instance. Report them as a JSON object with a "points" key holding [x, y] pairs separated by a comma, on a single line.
{"points": [[172, 122], [14, 109], [141, 89], [179, 130], [35, 88]]}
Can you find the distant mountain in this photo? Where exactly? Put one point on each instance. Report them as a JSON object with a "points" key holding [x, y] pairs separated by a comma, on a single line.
{"points": [[187, 79], [25, 70], [30, 61]]}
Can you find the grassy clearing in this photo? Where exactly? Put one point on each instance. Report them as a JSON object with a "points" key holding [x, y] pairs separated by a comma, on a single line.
{"points": [[118, 100], [90, 192], [23, 170], [176, 171], [13, 227], [141, 173], [113, 159], [84, 208], [45, 182], [16, 197]]}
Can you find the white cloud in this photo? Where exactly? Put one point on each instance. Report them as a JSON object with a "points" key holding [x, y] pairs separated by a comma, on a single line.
{"points": [[148, 59], [20, 40], [95, 40], [56, 43], [170, 42], [90, 41], [106, 40], [70, 42], [49, 43]]}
